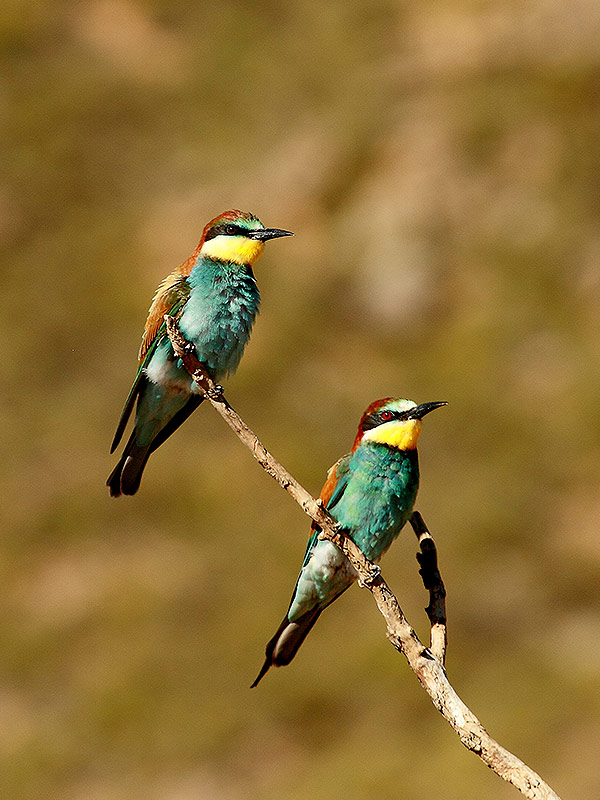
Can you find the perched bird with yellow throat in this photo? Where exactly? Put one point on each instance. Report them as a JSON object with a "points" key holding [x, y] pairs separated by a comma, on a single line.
{"points": [[215, 299], [371, 493]]}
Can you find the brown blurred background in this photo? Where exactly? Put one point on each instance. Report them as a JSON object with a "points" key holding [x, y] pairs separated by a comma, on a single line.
{"points": [[439, 163]]}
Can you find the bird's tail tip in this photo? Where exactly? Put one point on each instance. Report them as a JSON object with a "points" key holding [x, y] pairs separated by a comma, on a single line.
{"points": [[283, 646], [127, 475], [114, 481], [263, 671]]}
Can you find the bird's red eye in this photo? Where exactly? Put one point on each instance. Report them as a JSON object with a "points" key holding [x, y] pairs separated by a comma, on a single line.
{"points": [[386, 416], [230, 229]]}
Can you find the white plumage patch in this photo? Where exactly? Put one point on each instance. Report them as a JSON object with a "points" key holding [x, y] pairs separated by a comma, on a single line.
{"points": [[324, 561], [163, 373], [326, 573]]}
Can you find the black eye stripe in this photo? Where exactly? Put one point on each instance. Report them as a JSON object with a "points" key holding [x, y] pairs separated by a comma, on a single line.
{"points": [[376, 419], [373, 420], [370, 422], [225, 229]]}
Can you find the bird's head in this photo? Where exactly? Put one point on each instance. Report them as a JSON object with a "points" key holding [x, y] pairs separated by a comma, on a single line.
{"points": [[237, 236], [394, 422]]}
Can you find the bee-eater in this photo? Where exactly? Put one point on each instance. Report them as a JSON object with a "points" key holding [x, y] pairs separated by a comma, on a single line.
{"points": [[215, 299], [371, 493]]}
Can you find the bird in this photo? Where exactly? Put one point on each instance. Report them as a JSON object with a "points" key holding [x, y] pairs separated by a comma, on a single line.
{"points": [[215, 299], [370, 492]]}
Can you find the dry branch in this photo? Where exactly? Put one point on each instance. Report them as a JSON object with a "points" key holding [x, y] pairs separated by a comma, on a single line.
{"points": [[432, 580], [426, 662]]}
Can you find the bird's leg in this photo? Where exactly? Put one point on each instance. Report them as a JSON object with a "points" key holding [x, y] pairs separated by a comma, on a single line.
{"points": [[374, 573], [215, 392]]}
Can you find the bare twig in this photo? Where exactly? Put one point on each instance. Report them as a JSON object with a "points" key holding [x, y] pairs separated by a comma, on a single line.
{"points": [[426, 663], [432, 580], [312, 507]]}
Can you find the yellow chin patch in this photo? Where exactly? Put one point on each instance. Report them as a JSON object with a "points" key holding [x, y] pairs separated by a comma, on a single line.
{"points": [[239, 249], [402, 434]]}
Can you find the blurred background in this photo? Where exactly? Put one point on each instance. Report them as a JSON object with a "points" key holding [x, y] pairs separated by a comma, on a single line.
{"points": [[439, 164]]}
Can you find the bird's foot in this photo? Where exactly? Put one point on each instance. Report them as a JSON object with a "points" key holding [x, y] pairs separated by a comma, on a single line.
{"points": [[216, 393], [374, 573]]}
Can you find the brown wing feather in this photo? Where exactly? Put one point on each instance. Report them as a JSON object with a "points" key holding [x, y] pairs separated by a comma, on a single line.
{"points": [[329, 487], [164, 299]]}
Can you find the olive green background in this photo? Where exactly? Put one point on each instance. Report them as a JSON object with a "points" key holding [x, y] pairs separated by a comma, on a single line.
{"points": [[439, 164]]}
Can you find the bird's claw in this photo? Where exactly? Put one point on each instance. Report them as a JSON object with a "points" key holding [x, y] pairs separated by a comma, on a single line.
{"points": [[215, 393], [374, 573], [335, 526]]}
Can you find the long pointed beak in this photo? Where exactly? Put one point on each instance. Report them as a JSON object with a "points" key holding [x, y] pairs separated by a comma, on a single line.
{"points": [[264, 234], [420, 411]]}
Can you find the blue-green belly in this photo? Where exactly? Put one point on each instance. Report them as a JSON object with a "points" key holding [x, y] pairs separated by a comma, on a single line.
{"points": [[377, 502]]}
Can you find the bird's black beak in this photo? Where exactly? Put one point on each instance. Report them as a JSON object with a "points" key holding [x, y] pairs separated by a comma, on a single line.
{"points": [[420, 411], [264, 234]]}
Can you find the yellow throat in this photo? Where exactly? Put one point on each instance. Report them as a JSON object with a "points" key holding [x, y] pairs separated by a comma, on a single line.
{"points": [[238, 249], [402, 434]]}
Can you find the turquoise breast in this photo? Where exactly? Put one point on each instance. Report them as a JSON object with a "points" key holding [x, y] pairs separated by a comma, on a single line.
{"points": [[380, 496], [219, 314]]}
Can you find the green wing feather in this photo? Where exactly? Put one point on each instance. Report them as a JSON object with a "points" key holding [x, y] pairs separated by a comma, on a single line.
{"points": [[331, 493], [171, 303], [342, 473]]}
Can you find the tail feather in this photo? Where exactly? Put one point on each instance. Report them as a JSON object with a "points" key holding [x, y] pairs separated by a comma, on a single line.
{"points": [[136, 390], [286, 642], [176, 420], [126, 476]]}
